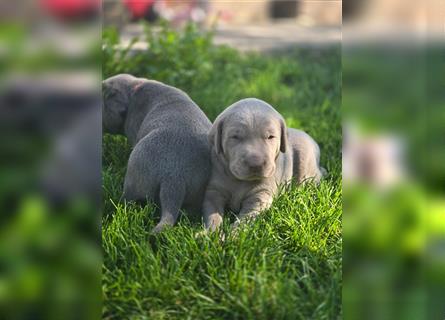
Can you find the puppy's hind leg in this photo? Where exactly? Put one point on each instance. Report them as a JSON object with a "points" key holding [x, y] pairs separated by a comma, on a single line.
{"points": [[171, 197]]}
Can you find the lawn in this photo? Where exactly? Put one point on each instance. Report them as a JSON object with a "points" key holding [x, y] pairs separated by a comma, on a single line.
{"points": [[285, 265]]}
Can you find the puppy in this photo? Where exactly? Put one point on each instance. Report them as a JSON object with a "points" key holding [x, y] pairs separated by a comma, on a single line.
{"points": [[306, 157], [170, 161], [252, 154], [250, 160]]}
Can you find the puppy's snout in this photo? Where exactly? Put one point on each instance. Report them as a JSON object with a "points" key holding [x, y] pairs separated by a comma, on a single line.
{"points": [[255, 163]]}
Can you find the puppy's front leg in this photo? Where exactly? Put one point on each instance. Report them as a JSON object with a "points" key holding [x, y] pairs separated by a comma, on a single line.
{"points": [[213, 209], [252, 207]]}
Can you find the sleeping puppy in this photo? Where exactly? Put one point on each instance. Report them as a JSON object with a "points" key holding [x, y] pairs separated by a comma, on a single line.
{"points": [[170, 161], [252, 154], [250, 160]]}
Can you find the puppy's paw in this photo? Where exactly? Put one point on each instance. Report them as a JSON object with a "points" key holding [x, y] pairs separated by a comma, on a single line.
{"points": [[236, 224], [237, 227], [201, 234], [160, 227], [234, 233], [207, 232]]}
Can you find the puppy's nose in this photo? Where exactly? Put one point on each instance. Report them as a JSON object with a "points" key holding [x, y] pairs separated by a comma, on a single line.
{"points": [[256, 168], [256, 163]]}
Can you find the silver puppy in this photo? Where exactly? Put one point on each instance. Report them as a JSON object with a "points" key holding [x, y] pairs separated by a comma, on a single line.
{"points": [[306, 157], [170, 162], [253, 153]]}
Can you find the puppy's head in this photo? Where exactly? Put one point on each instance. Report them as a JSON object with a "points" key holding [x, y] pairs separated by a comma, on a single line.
{"points": [[117, 92], [249, 135]]}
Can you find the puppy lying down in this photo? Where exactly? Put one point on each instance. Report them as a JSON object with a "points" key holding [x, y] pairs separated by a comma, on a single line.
{"points": [[252, 154], [170, 161]]}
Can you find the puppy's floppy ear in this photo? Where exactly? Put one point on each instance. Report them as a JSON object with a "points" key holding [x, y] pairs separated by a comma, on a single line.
{"points": [[106, 89], [215, 135], [115, 99], [283, 140]]}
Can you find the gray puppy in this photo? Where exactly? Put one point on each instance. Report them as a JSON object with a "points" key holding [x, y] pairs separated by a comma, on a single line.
{"points": [[253, 153], [306, 157], [170, 162]]}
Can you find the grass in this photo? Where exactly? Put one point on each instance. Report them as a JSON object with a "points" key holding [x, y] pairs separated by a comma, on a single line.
{"points": [[285, 265]]}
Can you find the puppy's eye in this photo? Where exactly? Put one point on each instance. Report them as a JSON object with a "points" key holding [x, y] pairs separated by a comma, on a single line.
{"points": [[235, 137], [270, 137]]}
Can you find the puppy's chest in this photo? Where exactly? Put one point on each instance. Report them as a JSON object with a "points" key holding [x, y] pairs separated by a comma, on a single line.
{"points": [[237, 195], [235, 201]]}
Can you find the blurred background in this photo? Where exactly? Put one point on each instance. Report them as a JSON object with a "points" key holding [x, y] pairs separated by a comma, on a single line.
{"points": [[393, 159], [245, 25], [50, 154]]}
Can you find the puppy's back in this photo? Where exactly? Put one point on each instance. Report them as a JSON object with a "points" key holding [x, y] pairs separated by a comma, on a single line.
{"points": [[172, 149], [306, 156]]}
